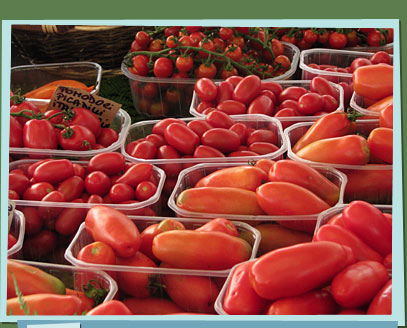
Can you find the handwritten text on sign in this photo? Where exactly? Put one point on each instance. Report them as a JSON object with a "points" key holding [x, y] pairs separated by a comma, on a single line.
{"points": [[65, 98]]}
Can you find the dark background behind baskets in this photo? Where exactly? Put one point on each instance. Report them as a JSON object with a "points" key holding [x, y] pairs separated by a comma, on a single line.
{"points": [[105, 45]]}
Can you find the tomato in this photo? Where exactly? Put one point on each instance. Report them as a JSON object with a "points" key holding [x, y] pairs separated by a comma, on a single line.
{"points": [[386, 117], [261, 105], [121, 192], [222, 200], [378, 106], [145, 190], [261, 135], [369, 223], [381, 303], [13, 195], [97, 182], [283, 198], [323, 38], [263, 148], [343, 236], [155, 45], [135, 283], [276, 274], [179, 248], [359, 62], [18, 182], [97, 252], [172, 30], [247, 89], [150, 90], [219, 119], [25, 105], [54, 171], [136, 174], [203, 105], [375, 38], [283, 62], [232, 107], [330, 104], [374, 81], [244, 177], [49, 213], [37, 191], [243, 152], [206, 70], [289, 39], [39, 245], [70, 219], [197, 37], [163, 67], [235, 79], [72, 188], [322, 86], [114, 228], [380, 142], [184, 63], [144, 149], [199, 126], [221, 225], [208, 45], [304, 176], [112, 307], [203, 151], [140, 65], [265, 164], [241, 130], [110, 163], [191, 293], [234, 52], [277, 47], [337, 40], [79, 138], [292, 93], [86, 118], [160, 126], [151, 306], [33, 222], [227, 72], [238, 40], [310, 103], [168, 152], [225, 33], [222, 139], [357, 284], [181, 137], [310, 36], [39, 134], [224, 91], [16, 133], [240, 298], [332, 150], [315, 302]]}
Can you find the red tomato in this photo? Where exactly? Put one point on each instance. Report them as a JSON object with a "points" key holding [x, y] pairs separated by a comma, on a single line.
{"points": [[145, 190], [358, 284], [203, 105], [310, 36], [220, 224], [16, 133], [107, 137], [39, 245], [87, 119], [25, 105], [380, 57], [380, 142], [199, 126], [289, 103], [111, 307], [310, 103], [208, 45], [293, 93], [18, 182], [110, 163], [374, 81], [97, 252], [163, 67], [184, 64], [80, 138], [37, 191], [160, 126], [39, 134], [33, 222], [13, 195], [219, 119], [322, 86], [269, 283], [206, 89], [97, 182], [247, 89], [261, 105], [182, 138], [136, 174], [225, 33], [50, 213], [263, 148], [120, 192], [203, 151], [54, 171], [375, 38], [262, 135], [369, 223], [234, 52], [206, 70], [337, 40], [72, 188], [330, 104], [224, 91], [241, 130], [232, 107], [224, 140], [70, 219], [144, 150], [11, 241], [359, 62], [79, 170], [381, 303], [235, 79], [386, 117], [168, 152]]}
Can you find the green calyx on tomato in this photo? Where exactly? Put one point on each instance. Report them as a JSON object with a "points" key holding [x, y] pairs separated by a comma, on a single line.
{"points": [[97, 293]]}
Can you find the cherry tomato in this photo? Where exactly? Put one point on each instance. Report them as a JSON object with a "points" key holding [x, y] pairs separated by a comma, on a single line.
{"points": [[18, 182], [222, 139], [107, 137], [184, 64], [140, 66], [225, 33], [262, 135], [224, 91], [219, 119], [261, 105], [135, 174], [182, 138], [163, 67], [145, 190], [232, 107], [310, 103], [50, 213], [199, 126], [25, 105], [234, 79], [359, 62], [375, 39], [241, 130], [120, 192], [161, 125], [33, 222], [337, 40], [72, 188], [70, 219], [155, 45], [110, 163], [206, 70], [330, 104], [37, 191], [97, 182], [292, 93], [247, 89], [310, 36], [380, 57], [13, 195], [142, 38], [225, 73], [203, 151]]}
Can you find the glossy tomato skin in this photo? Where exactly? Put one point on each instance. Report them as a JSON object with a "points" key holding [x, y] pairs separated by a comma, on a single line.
{"points": [[315, 302], [112, 307], [70, 219], [18, 182], [221, 225], [369, 223], [240, 297], [163, 67], [107, 137], [49, 213], [269, 283], [199, 126], [203, 151], [292, 93], [111, 163], [261, 105], [86, 118], [219, 119], [168, 152], [144, 149], [97, 252], [114, 228], [247, 89], [39, 134], [381, 303], [160, 126], [206, 89], [54, 171], [16, 133], [33, 222], [72, 188], [39, 245], [386, 117], [241, 130], [222, 139], [81, 139], [225, 91], [358, 284], [380, 142], [145, 190], [182, 138], [262, 135], [310, 103], [232, 107], [217, 250], [136, 174], [37, 191], [151, 306], [98, 182], [374, 81]]}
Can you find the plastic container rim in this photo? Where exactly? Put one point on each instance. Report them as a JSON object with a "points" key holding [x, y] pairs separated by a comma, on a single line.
{"points": [[19, 244], [353, 104]]}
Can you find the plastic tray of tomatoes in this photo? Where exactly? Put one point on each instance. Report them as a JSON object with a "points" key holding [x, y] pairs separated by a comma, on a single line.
{"points": [[190, 176], [76, 279], [120, 123], [359, 103], [285, 121], [169, 97], [17, 230], [29, 77], [370, 182]]}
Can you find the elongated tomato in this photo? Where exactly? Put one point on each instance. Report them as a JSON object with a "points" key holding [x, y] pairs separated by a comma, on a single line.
{"points": [[332, 125], [222, 200], [245, 177], [380, 143], [31, 280], [305, 176], [350, 149], [204, 250], [284, 198], [294, 270], [374, 81]]}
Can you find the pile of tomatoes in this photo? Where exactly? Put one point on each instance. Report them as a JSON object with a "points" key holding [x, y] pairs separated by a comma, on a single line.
{"points": [[335, 38]]}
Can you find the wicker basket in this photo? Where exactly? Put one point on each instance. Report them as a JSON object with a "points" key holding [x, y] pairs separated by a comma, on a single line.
{"points": [[105, 45]]}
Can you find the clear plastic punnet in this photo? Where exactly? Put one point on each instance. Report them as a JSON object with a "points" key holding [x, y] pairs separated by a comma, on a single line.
{"points": [[17, 229], [83, 238], [120, 123], [183, 87], [387, 48], [190, 176], [339, 58], [370, 182], [285, 84], [143, 128], [357, 102], [30, 77], [152, 202], [73, 277]]}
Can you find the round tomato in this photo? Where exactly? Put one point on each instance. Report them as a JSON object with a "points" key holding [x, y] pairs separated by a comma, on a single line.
{"points": [[234, 52], [97, 182], [145, 190], [337, 40], [225, 33], [77, 137], [206, 89], [310, 103], [184, 63], [375, 38], [156, 45], [206, 70], [25, 105], [107, 137], [163, 67], [380, 57], [121, 192], [142, 38]]}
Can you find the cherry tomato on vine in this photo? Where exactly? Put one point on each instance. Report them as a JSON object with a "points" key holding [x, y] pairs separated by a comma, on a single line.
{"points": [[163, 67], [184, 63], [205, 70]]}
